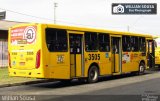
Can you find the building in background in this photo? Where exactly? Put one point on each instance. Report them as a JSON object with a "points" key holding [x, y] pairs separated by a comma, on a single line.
{"points": [[4, 26]]}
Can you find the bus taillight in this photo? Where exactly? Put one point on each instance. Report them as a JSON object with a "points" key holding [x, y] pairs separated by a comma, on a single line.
{"points": [[9, 60], [38, 56]]}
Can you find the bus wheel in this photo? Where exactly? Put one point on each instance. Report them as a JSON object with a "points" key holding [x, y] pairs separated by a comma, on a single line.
{"points": [[93, 74], [141, 68]]}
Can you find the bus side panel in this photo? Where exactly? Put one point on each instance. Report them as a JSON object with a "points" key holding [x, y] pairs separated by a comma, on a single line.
{"points": [[88, 62], [58, 66], [135, 56], [126, 62], [102, 59], [105, 64], [136, 61]]}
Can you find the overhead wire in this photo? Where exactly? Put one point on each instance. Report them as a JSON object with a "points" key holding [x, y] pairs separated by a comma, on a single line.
{"points": [[71, 23]]}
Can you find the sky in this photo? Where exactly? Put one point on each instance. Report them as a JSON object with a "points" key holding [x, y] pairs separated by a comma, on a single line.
{"points": [[85, 13]]}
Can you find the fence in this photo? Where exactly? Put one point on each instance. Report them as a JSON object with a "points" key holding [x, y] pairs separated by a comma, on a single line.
{"points": [[3, 53]]}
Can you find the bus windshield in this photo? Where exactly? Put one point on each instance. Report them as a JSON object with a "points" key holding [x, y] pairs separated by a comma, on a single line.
{"points": [[157, 40]]}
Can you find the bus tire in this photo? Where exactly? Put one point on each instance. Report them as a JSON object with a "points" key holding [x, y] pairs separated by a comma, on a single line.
{"points": [[141, 68], [93, 74]]}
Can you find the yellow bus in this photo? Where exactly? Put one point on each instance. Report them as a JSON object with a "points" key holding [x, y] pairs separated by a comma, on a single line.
{"points": [[66, 52], [157, 51]]}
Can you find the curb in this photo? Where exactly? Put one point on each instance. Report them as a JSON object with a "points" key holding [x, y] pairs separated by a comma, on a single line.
{"points": [[25, 83], [154, 69]]}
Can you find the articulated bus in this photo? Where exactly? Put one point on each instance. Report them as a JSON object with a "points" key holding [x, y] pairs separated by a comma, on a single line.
{"points": [[157, 51], [66, 52]]}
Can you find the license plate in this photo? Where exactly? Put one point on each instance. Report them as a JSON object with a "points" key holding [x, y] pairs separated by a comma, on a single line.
{"points": [[22, 63], [22, 73]]}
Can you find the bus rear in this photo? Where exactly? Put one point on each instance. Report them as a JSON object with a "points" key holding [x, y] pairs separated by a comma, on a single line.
{"points": [[25, 51]]}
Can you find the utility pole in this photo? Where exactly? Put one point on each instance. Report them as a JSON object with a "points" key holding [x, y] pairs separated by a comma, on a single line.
{"points": [[55, 5], [128, 28]]}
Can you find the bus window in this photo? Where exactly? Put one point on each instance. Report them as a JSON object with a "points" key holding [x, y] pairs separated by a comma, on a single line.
{"points": [[126, 43], [56, 40], [104, 42], [75, 44], [91, 41], [115, 45], [142, 44], [134, 44]]}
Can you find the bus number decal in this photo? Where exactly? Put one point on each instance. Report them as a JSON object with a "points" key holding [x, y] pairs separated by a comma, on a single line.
{"points": [[60, 59], [94, 56]]}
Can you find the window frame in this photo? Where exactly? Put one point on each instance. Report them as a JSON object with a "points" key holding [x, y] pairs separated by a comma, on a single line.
{"points": [[142, 45], [107, 43], [91, 41], [54, 40], [128, 44], [134, 47]]}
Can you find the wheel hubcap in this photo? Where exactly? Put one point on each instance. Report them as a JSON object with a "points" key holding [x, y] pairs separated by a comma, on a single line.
{"points": [[93, 75], [141, 68]]}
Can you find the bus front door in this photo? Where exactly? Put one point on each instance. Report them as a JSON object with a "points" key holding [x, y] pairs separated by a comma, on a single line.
{"points": [[76, 57], [116, 54]]}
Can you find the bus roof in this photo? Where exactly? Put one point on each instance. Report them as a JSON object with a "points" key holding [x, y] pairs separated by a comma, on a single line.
{"points": [[85, 29]]}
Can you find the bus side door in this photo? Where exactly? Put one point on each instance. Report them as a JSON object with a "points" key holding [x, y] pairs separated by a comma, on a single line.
{"points": [[116, 54], [76, 54]]}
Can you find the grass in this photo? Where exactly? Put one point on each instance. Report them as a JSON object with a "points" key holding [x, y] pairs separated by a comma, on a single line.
{"points": [[5, 79]]}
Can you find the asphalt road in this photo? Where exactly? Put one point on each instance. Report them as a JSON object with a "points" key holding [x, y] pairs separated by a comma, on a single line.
{"points": [[116, 88]]}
